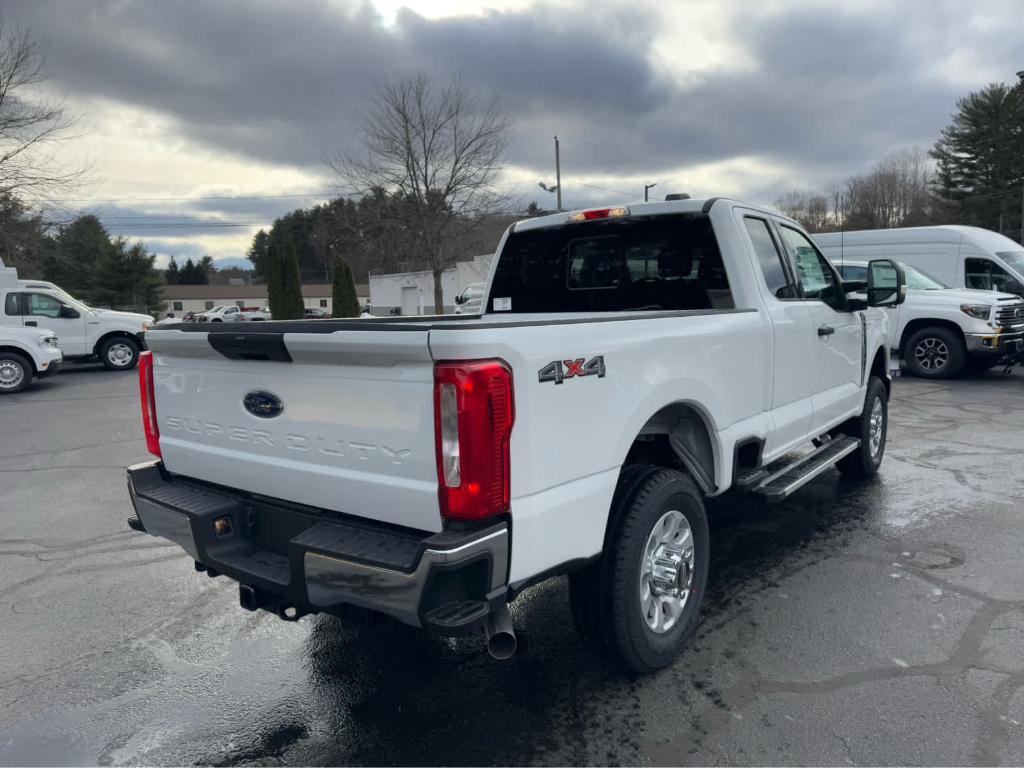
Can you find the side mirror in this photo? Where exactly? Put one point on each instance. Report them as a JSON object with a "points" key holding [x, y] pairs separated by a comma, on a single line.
{"points": [[887, 283], [460, 299], [68, 313]]}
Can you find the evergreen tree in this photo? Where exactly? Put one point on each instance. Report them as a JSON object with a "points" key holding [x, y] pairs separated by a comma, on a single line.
{"points": [[291, 283], [127, 279], [206, 268], [343, 291], [24, 242], [258, 252], [73, 264], [284, 288], [980, 158], [271, 266], [172, 274]]}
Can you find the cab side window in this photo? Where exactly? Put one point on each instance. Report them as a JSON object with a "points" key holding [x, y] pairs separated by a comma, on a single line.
{"points": [[41, 305], [985, 274], [11, 304], [772, 266], [813, 270]]}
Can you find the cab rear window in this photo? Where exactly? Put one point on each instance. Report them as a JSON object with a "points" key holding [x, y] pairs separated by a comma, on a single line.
{"points": [[669, 262]]}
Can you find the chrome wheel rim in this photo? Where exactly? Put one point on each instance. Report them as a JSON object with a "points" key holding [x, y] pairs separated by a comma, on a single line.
{"points": [[11, 374], [119, 354], [931, 353], [876, 427], [666, 572]]}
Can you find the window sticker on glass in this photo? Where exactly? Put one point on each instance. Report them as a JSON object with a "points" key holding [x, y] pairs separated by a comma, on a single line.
{"points": [[503, 305]]}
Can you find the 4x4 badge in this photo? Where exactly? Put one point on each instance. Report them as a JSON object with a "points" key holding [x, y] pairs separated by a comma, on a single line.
{"points": [[560, 370]]}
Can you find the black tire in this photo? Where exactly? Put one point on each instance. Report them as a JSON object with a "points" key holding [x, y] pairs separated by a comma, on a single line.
{"points": [[216, 320], [606, 597], [864, 462], [935, 353], [585, 584], [15, 373], [119, 353]]}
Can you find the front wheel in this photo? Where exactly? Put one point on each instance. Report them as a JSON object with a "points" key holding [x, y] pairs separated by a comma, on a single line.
{"points": [[643, 597], [119, 353], [935, 353], [872, 429], [15, 373]]}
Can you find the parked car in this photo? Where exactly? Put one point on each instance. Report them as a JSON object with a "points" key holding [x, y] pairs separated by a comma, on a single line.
{"points": [[630, 362], [25, 353], [311, 312], [470, 301], [940, 331], [227, 314], [960, 257], [115, 338]]}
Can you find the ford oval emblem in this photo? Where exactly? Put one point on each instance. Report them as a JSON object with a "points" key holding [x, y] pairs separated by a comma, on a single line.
{"points": [[263, 404]]}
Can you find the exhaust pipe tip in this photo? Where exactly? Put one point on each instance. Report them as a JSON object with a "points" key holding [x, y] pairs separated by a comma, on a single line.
{"points": [[501, 636]]}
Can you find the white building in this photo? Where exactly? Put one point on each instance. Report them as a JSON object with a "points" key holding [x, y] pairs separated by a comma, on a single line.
{"points": [[412, 293], [182, 299]]}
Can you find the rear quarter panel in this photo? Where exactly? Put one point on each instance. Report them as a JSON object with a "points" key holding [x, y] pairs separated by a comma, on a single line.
{"points": [[570, 439]]}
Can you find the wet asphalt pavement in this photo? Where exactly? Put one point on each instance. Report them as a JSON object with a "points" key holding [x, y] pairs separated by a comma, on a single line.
{"points": [[878, 623]]}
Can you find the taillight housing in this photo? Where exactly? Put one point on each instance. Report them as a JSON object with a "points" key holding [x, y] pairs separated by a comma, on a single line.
{"points": [[473, 415], [148, 403]]}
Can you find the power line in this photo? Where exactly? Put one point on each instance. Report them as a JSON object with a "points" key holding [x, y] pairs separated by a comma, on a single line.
{"points": [[321, 193], [603, 189]]}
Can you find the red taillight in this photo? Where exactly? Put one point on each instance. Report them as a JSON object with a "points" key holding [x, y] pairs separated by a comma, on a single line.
{"points": [[148, 403], [473, 414]]}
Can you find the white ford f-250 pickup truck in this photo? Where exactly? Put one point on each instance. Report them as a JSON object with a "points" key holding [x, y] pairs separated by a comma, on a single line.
{"points": [[628, 364]]}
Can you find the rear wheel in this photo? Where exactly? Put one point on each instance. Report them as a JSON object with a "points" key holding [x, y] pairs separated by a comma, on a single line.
{"points": [[15, 373], [871, 428], [119, 353], [639, 603], [935, 353]]}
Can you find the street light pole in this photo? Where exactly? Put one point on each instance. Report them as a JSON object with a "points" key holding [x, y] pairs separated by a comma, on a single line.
{"points": [[1021, 86], [648, 187], [558, 176]]}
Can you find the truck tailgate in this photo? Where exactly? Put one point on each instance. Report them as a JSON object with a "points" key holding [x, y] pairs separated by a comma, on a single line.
{"points": [[355, 431]]}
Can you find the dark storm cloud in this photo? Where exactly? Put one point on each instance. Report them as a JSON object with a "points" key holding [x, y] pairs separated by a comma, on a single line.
{"points": [[831, 91]]}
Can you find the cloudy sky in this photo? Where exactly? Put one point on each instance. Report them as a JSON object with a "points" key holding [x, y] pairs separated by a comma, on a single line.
{"points": [[202, 121]]}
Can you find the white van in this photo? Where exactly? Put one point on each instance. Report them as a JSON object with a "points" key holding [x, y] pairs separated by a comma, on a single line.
{"points": [[960, 257]]}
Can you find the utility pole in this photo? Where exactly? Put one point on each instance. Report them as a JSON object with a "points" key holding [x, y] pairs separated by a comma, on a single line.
{"points": [[648, 187], [1021, 87], [558, 177]]}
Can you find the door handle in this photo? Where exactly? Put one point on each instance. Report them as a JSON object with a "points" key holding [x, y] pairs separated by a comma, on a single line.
{"points": [[33, 323], [826, 330]]}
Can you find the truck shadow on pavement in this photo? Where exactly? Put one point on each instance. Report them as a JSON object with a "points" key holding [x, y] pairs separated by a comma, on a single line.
{"points": [[398, 696]]}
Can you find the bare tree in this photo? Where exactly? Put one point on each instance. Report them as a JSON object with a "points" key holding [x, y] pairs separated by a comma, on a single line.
{"points": [[895, 193], [436, 149], [812, 210], [29, 123]]}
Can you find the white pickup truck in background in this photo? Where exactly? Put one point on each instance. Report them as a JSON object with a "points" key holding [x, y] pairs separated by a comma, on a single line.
{"points": [[232, 314], [939, 331], [115, 338], [26, 353], [629, 362]]}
